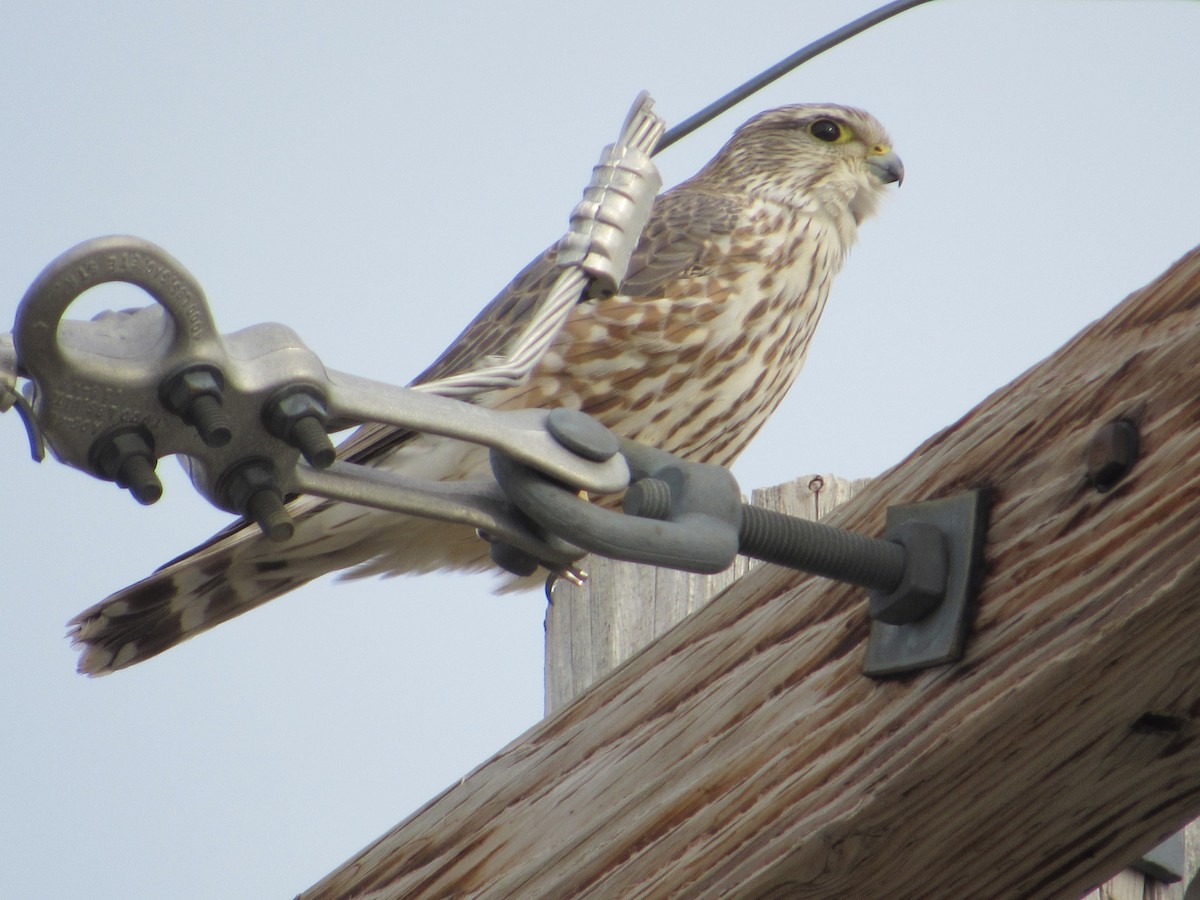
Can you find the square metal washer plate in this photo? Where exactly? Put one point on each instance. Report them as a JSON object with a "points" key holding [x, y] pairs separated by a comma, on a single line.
{"points": [[939, 638]]}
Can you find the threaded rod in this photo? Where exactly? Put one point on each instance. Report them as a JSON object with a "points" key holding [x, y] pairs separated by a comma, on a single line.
{"points": [[820, 549], [210, 419]]}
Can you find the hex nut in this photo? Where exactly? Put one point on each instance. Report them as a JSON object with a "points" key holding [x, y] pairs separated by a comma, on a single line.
{"points": [[126, 456], [923, 585]]}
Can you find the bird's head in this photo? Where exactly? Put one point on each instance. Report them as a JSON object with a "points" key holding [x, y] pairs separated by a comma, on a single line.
{"points": [[835, 156]]}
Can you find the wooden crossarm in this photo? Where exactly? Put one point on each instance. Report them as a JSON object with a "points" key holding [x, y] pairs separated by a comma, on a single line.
{"points": [[744, 753]]}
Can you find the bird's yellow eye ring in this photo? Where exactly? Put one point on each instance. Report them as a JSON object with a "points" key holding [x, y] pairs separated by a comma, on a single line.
{"points": [[828, 131]]}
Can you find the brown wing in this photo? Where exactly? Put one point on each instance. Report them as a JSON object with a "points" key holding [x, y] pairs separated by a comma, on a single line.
{"points": [[487, 335], [681, 228], [497, 323], [679, 239], [676, 240]]}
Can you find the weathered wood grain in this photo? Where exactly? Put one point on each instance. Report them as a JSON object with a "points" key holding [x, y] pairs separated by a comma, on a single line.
{"points": [[592, 629], [581, 617], [743, 753]]}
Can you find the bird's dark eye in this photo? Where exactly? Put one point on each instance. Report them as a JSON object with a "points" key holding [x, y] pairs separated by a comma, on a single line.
{"points": [[825, 130]]}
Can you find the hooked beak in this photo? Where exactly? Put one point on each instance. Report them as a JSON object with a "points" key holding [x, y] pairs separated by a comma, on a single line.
{"points": [[886, 165]]}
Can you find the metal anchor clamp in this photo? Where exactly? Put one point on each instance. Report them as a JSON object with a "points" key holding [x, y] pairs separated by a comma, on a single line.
{"points": [[921, 575], [114, 395], [248, 413]]}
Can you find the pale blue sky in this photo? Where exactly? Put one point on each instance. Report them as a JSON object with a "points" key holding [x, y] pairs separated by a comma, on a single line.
{"points": [[371, 174]]}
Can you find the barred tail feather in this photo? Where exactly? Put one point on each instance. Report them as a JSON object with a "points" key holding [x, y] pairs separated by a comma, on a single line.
{"points": [[177, 602], [239, 570]]}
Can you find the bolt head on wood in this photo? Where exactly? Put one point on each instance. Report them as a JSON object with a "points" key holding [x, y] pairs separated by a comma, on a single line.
{"points": [[1112, 454]]}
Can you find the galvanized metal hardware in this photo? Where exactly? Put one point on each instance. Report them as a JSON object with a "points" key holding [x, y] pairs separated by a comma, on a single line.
{"points": [[298, 416], [117, 394], [594, 255], [908, 635], [195, 396], [107, 397], [583, 435], [125, 454], [700, 535], [922, 574], [11, 398], [248, 414], [616, 205]]}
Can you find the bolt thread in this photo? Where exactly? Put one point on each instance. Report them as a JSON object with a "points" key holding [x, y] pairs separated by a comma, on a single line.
{"points": [[266, 508], [821, 549], [137, 474], [309, 437], [211, 421], [648, 498]]}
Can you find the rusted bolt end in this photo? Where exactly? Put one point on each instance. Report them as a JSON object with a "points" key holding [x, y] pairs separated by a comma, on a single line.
{"points": [[1112, 454], [251, 488], [297, 417], [195, 395], [126, 455], [266, 508]]}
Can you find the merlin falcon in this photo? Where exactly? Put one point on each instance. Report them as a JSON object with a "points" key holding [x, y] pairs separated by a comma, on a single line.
{"points": [[706, 336]]}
